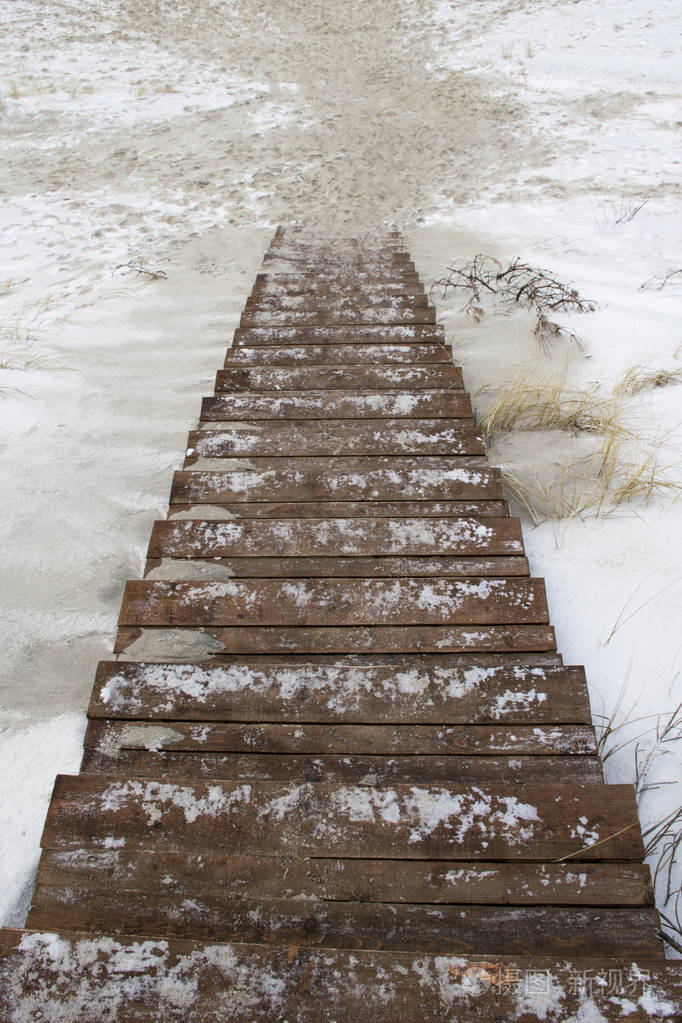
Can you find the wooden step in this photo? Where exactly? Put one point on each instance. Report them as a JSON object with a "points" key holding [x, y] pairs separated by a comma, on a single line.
{"points": [[414, 693], [339, 378], [414, 881], [369, 739], [355, 334], [338, 509], [402, 478], [339, 355], [340, 768], [369, 284], [398, 312], [336, 437], [356, 303], [318, 405], [219, 509], [330, 602], [357, 640], [330, 537], [370, 567], [71, 975], [402, 927], [492, 822]]}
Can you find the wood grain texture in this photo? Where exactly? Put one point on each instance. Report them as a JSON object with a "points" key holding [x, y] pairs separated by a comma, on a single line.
{"points": [[362, 640], [401, 927], [332, 354], [355, 334], [414, 693], [325, 603], [345, 567], [301, 480], [363, 880], [334, 509], [339, 378], [254, 983], [543, 822], [396, 312], [337, 405], [338, 537]]}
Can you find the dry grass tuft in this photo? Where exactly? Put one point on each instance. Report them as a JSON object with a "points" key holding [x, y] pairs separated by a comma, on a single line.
{"points": [[639, 378], [616, 473], [535, 403]]}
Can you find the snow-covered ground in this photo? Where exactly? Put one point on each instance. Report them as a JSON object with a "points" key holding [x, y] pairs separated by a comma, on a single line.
{"points": [[182, 133]]}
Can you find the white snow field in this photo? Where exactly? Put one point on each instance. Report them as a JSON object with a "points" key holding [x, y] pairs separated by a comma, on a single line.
{"points": [[181, 134]]}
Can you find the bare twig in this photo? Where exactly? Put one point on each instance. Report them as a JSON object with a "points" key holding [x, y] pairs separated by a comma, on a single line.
{"points": [[137, 267]]}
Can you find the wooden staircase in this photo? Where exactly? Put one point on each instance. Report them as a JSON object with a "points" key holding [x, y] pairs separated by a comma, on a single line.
{"points": [[338, 766]]}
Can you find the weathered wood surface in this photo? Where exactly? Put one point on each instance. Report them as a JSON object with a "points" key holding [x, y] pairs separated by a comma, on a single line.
{"points": [[364, 880], [415, 693], [218, 507], [397, 312], [339, 354], [337, 300], [336, 437], [368, 567], [352, 769], [424, 353], [314, 280], [401, 927], [339, 378], [355, 334], [543, 822], [77, 975], [361, 640], [337, 405], [402, 478], [339, 537], [356, 740], [330, 602]]}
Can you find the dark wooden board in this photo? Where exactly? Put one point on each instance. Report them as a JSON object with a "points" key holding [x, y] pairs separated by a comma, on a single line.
{"points": [[337, 299], [335, 437], [259, 983], [402, 478], [339, 378], [345, 567], [371, 739], [339, 355], [336, 509], [533, 823], [398, 312], [338, 538], [417, 881], [355, 334], [412, 693], [329, 602], [401, 927], [365, 640], [250, 405], [344, 769]]}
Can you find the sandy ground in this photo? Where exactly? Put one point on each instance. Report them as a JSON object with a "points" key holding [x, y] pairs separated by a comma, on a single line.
{"points": [[182, 134]]}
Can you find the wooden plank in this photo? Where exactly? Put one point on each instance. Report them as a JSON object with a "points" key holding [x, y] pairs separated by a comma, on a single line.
{"points": [[343, 769], [414, 693], [329, 602], [337, 509], [398, 312], [356, 640], [356, 334], [339, 354], [369, 285], [339, 437], [335, 537], [533, 823], [497, 930], [368, 567], [402, 478], [356, 302], [338, 378], [249, 406], [371, 739], [257, 983], [416, 881]]}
